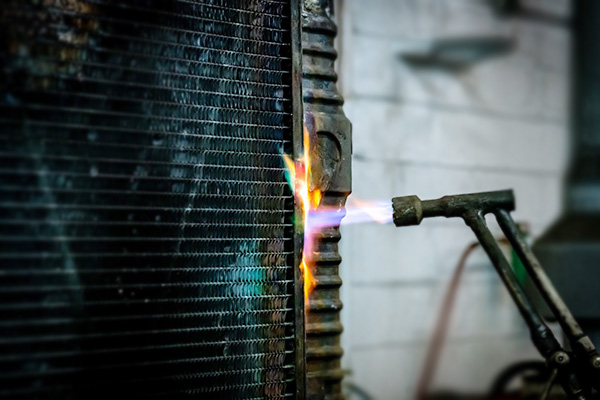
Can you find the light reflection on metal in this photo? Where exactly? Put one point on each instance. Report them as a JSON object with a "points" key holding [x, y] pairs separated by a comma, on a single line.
{"points": [[298, 175]]}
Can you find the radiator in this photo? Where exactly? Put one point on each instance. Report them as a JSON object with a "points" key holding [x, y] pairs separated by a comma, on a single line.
{"points": [[147, 243]]}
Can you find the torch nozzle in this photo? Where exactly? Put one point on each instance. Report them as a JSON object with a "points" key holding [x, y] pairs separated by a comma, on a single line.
{"points": [[410, 210]]}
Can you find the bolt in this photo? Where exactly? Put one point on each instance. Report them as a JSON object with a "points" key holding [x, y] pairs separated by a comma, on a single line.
{"points": [[560, 358]]}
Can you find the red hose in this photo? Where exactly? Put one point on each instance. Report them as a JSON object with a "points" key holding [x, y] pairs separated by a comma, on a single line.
{"points": [[439, 334]]}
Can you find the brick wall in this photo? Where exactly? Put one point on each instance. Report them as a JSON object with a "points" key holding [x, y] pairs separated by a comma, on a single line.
{"points": [[502, 123]]}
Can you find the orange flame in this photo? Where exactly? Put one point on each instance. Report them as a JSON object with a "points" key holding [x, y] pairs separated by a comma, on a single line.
{"points": [[300, 173], [316, 216]]}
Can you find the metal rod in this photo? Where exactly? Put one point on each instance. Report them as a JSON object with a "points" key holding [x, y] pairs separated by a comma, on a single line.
{"points": [[410, 210], [541, 335], [580, 342], [297, 150], [539, 277], [459, 205]]}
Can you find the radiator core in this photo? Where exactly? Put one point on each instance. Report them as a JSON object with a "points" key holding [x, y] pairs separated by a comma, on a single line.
{"points": [[147, 246]]}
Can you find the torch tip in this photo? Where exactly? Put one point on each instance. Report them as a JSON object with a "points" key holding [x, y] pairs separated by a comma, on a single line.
{"points": [[408, 210]]}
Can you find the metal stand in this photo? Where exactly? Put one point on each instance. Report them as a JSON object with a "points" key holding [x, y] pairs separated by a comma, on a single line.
{"points": [[578, 371]]}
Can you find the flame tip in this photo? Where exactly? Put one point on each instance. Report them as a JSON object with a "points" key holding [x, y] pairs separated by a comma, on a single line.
{"points": [[316, 216]]}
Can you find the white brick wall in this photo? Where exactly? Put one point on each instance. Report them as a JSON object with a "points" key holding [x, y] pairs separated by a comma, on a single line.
{"points": [[502, 123]]}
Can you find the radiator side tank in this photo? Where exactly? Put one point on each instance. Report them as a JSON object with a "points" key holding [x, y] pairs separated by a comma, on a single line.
{"points": [[331, 131]]}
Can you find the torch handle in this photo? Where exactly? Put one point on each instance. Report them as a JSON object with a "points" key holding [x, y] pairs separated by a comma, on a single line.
{"points": [[472, 208]]}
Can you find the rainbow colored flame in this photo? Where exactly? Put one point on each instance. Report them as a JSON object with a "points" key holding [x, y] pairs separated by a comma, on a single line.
{"points": [[316, 216]]}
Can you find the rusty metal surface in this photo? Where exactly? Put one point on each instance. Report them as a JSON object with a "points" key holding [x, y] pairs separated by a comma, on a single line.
{"points": [[331, 130]]}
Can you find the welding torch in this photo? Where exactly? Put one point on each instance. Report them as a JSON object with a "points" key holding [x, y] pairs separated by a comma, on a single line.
{"points": [[577, 370]]}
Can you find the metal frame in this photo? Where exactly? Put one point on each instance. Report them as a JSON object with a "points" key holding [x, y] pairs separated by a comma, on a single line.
{"points": [[330, 136], [297, 150], [578, 371]]}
